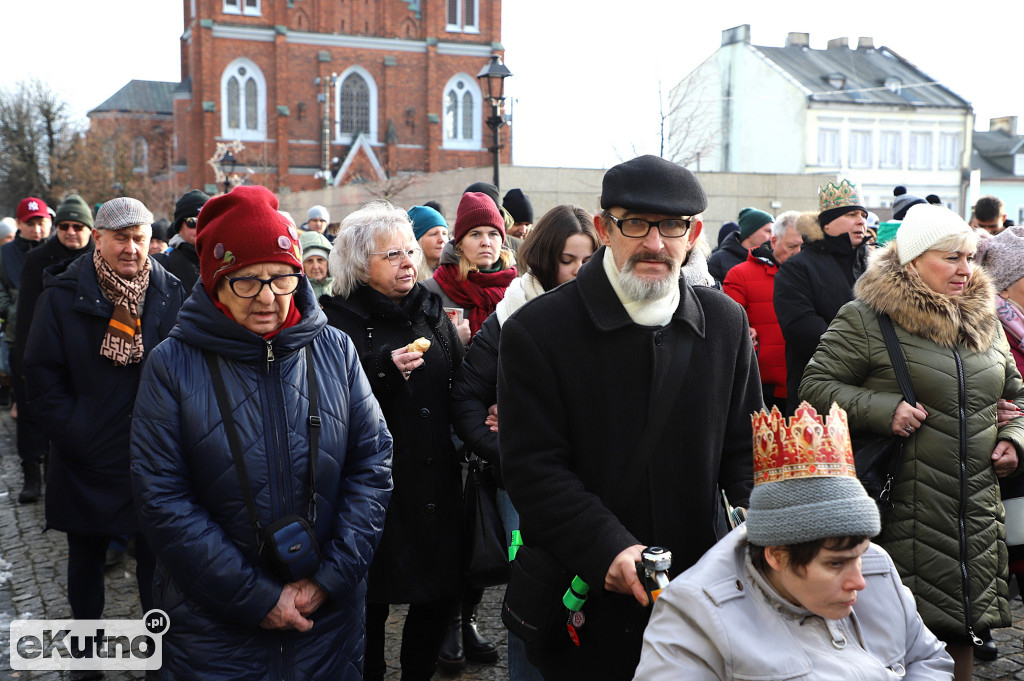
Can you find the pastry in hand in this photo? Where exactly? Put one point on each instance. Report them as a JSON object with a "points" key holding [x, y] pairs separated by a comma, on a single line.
{"points": [[419, 345]]}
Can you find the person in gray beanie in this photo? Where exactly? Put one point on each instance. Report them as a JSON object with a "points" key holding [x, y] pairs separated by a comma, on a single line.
{"points": [[799, 590], [317, 219]]}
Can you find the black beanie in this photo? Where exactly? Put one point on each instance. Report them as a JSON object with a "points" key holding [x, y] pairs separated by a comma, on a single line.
{"points": [[485, 188], [188, 206], [518, 205], [162, 230]]}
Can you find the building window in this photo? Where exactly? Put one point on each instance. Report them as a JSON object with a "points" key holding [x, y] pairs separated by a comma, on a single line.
{"points": [[463, 16], [890, 153], [249, 7], [109, 155], [462, 113], [140, 155], [861, 155], [920, 151], [354, 110], [949, 151], [243, 101], [355, 102], [828, 147]]}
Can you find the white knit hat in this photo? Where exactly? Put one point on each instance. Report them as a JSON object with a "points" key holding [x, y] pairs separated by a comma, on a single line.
{"points": [[924, 226]]}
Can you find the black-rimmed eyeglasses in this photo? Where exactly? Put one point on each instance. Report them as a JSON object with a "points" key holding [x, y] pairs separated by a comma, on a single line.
{"points": [[395, 256], [250, 287], [636, 228]]}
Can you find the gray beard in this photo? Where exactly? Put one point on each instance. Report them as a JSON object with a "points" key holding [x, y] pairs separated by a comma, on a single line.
{"points": [[641, 289]]}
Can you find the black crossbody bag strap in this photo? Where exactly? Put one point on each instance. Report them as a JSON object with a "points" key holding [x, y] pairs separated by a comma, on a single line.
{"points": [[896, 356], [641, 455], [227, 416], [313, 420], [899, 366]]}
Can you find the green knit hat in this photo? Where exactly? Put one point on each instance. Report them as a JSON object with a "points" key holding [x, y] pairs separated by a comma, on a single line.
{"points": [[314, 243], [74, 208], [751, 220]]}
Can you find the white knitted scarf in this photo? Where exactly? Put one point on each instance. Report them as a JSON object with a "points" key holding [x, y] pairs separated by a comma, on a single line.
{"points": [[644, 312], [522, 290]]}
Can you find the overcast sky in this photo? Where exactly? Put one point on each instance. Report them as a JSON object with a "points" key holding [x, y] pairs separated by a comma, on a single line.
{"points": [[586, 73]]}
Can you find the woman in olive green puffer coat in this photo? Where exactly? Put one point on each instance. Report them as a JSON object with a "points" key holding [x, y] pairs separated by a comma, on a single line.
{"points": [[945, 532]]}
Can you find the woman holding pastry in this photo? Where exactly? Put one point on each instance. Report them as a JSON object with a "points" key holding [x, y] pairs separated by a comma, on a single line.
{"points": [[409, 350]]}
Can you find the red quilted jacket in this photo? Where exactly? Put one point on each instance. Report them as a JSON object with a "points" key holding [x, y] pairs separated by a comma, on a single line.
{"points": [[752, 284]]}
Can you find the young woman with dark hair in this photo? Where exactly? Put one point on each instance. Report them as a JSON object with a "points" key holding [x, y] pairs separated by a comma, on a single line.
{"points": [[560, 243]]}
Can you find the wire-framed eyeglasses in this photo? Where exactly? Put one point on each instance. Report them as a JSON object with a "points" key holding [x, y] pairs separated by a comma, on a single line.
{"points": [[637, 228], [250, 287], [395, 256]]}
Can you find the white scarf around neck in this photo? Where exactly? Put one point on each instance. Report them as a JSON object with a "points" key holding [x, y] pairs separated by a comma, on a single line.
{"points": [[644, 312], [522, 290]]}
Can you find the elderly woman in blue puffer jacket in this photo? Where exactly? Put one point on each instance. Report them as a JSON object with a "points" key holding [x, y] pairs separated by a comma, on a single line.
{"points": [[232, 614]]}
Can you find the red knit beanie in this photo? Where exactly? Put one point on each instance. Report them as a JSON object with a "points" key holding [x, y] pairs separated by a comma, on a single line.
{"points": [[477, 210], [243, 228]]}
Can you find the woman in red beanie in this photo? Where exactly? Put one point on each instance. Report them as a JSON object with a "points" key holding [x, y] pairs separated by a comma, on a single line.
{"points": [[305, 444], [475, 269]]}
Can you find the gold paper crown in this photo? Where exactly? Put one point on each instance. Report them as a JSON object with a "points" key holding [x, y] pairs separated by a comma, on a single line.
{"points": [[805, 447], [837, 196]]}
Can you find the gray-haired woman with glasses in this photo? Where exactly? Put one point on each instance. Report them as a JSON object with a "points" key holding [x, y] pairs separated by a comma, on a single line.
{"points": [[379, 304]]}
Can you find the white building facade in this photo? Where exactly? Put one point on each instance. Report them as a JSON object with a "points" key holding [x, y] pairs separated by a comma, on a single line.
{"points": [[865, 114]]}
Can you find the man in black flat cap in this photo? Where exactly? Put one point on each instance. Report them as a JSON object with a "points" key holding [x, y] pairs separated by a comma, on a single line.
{"points": [[625, 399]]}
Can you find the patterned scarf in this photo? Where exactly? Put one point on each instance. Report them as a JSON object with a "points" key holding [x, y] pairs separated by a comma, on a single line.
{"points": [[122, 343], [1012, 318], [480, 293]]}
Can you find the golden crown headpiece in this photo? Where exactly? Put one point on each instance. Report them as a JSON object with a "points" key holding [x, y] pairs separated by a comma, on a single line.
{"points": [[838, 195], [803, 446]]}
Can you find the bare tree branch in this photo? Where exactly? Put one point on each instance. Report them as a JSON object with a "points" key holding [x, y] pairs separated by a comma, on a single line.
{"points": [[692, 122]]}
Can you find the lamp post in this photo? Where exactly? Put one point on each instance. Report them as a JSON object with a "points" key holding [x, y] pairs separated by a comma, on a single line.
{"points": [[494, 75], [327, 82], [224, 163], [227, 168]]}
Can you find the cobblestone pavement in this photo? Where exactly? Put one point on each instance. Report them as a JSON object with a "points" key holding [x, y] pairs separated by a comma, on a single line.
{"points": [[33, 585]]}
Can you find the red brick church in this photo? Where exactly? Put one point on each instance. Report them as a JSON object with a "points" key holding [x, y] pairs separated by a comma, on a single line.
{"points": [[399, 77]]}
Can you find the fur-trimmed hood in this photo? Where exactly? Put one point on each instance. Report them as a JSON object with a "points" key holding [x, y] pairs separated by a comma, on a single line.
{"points": [[892, 288]]}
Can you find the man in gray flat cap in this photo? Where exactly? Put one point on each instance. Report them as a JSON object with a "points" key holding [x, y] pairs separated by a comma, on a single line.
{"points": [[624, 400], [97, 319]]}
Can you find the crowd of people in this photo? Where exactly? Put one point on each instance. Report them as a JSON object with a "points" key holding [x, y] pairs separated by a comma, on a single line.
{"points": [[279, 418]]}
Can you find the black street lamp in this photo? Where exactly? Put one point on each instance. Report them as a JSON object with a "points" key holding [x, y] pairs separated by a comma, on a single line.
{"points": [[227, 167], [494, 75]]}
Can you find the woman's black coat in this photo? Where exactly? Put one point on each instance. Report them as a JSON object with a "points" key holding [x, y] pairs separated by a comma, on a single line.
{"points": [[420, 554], [475, 390]]}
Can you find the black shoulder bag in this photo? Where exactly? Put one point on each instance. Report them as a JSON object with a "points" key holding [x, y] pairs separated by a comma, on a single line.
{"points": [[293, 548], [878, 458]]}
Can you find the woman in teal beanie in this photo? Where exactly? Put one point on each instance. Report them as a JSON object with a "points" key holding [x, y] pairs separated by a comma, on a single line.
{"points": [[431, 232]]}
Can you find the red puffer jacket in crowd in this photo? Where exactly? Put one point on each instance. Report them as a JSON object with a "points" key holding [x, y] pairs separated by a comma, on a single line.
{"points": [[752, 285]]}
